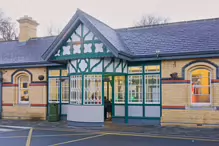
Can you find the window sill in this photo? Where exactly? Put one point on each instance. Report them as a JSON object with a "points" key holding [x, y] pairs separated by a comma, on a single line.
{"points": [[201, 107], [22, 104]]}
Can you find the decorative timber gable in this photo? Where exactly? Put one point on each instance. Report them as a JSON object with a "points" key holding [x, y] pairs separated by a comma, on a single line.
{"points": [[82, 44]]}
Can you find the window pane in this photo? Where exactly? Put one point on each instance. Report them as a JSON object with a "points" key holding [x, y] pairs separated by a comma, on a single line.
{"points": [[136, 69], [152, 85], [201, 86], [23, 89], [92, 89], [135, 89], [108, 88], [54, 89], [119, 89], [65, 91], [54, 72], [76, 89], [152, 68], [65, 72]]}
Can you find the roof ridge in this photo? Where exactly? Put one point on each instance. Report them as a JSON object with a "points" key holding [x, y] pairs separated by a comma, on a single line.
{"points": [[167, 24], [94, 18]]}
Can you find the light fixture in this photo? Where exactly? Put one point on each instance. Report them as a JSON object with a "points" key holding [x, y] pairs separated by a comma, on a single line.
{"points": [[157, 53]]}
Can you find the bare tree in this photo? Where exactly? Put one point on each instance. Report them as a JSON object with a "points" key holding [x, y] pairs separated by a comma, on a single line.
{"points": [[51, 30], [7, 28], [148, 20]]}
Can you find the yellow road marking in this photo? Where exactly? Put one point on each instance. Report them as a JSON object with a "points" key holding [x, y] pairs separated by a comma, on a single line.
{"points": [[29, 137], [164, 137], [35, 136], [76, 140]]}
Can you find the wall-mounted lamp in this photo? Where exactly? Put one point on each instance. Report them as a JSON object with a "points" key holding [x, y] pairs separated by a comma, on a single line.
{"points": [[41, 77], [157, 53]]}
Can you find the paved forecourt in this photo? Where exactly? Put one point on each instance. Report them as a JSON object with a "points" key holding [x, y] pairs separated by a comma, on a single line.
{"points": [[45, 137]]}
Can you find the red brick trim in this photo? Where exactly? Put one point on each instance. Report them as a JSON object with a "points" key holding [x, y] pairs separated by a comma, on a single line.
{"points": [[9, 85], [7, 104], [215, 81], [175, 81], [172, 107], [39, 105]]}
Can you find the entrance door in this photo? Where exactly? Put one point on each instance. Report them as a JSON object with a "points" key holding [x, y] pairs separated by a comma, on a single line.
{"points": [[108, 96]]}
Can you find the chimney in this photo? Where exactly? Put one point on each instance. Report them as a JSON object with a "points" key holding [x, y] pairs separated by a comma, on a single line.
{"points": [[28, 28]]}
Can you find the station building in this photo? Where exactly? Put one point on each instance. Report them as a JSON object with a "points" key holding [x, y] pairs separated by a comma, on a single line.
{"points": [[155, 75]]}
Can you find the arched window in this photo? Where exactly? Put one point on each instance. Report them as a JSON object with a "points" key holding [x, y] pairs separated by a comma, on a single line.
{"points": [[23, 89], [201, 86]]}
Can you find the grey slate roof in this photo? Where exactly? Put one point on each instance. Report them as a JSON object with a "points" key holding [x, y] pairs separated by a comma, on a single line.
{"points": [[15, 52], [176, 38], [198, 38]]}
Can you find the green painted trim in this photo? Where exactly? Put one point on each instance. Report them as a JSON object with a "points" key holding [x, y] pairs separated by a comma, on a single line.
{"points": [[126, 99], [152, 104], [82, 56], [73, 65], [79, 61], [144, 91], [124, 66], [60, 97], [118, 64], [95, 65], [118, 117], [106, 73], [104, 68], [160, 90], [113, 95], [135, 104]]}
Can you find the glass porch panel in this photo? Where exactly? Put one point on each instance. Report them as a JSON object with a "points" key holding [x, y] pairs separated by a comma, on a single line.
{"points": [[54, 89], [108, 89], [76, 89], [119, 89], [152, 88], [135, 89], [65, 90], [93, 89]]}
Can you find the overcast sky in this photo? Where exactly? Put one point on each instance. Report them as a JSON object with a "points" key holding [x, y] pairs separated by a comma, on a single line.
{"points": [[116, 13]]}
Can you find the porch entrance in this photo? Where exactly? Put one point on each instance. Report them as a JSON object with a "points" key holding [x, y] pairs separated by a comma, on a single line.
{"points": [[108, 94], [114, 96]]}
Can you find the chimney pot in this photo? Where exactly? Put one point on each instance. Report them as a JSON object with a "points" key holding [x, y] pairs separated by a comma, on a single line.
{"points": [[28, 28]]}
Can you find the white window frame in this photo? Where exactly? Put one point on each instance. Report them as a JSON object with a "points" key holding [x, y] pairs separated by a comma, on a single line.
{"points": [[157, 84], [95, 101], [141, 93], [76, 89], [157, 71], [210, 85], [50, 99], [118, 102], [135, 72], [19, 88], [67, 87]]}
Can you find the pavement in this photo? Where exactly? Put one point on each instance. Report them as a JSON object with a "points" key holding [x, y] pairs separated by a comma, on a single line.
{"points": [[44, 133], [35, 137]]}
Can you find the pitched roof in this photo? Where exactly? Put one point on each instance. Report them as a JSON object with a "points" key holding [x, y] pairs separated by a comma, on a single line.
{"points": [[173, 40], [13, 53], [105, 33]]}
